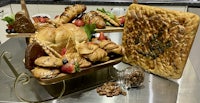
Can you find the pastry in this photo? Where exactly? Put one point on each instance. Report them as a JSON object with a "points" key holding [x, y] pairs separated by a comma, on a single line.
{"points": [[93, 18], [48, 61], [92, 52], [106, 17], [158, 40], [45, 73], [69, 14]]}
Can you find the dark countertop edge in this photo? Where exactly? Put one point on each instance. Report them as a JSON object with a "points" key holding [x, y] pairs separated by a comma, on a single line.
{"points": [[189, 4]]}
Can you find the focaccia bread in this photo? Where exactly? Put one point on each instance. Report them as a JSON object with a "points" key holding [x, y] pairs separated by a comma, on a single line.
{"points": [[158, 40]]}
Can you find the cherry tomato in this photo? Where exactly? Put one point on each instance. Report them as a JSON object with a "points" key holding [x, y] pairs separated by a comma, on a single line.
{"points": [[122, 20], [42, 20], [79, 22], [102, 36], [9, 26]]}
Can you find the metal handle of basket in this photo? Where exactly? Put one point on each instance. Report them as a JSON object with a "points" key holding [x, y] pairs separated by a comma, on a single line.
{"points": [[24, 79]]}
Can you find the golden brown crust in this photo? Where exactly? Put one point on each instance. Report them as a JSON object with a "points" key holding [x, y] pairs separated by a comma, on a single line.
{"points": [[47, 61], [106, 17], [45, 73], [70, 13], [92, 52], [158, 40], [71, 57], [93, 18]]}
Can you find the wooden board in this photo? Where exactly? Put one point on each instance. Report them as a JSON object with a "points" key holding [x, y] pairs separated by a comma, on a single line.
{"points": [[106, 30], [93, 68], [110, 29]]}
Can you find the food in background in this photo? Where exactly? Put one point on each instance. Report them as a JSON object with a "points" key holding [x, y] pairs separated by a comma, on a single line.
{"points": [[40, 19], [10, 20], [23, 24], [70, 13], [111, 19], [78, 22], [19, 23]]}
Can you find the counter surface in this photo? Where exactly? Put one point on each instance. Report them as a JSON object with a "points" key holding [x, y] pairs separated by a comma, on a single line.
{"points": [[155, 89]]}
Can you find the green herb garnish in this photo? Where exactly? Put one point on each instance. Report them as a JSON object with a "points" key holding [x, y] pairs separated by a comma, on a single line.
{"points": [[89, 29], [9, 19], [77, 67]]}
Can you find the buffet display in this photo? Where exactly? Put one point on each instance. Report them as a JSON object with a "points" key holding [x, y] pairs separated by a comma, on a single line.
{"points": [[154, 39]]}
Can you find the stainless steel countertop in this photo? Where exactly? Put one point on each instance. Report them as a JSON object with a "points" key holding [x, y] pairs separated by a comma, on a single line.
{"points": [[155, 89]]}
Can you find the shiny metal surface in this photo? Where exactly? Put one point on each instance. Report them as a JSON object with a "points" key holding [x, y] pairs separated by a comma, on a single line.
{"points": [[154, 90]]}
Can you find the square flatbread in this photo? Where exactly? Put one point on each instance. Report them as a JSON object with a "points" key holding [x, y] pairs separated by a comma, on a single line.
{"points": [[158, 40]]}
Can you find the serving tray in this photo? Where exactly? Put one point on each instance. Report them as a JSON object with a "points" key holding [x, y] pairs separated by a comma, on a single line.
{"points": [[106, 30], [64, 76]]}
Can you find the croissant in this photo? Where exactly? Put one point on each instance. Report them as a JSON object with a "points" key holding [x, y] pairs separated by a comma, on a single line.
{"points": [[76, 57], [106, 17], [93, 18], [109, 46], [70, 13], [92, 52]]}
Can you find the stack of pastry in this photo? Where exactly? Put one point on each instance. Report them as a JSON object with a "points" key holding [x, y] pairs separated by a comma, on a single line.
{"points": [[78, 48]]}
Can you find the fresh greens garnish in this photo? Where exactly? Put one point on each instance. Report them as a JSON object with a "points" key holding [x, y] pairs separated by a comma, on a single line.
{"points": [[112, 16], [77, 67], [89, 29], [9, 19]]}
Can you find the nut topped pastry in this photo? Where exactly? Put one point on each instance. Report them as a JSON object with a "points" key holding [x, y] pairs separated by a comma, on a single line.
{"points": [[158, 40]]}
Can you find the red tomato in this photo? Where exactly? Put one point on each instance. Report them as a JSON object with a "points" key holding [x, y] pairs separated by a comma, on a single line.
{"points": [[79, 22], [102, 36], [63, 51], [9, 26], [42, 20], [122, 20]]}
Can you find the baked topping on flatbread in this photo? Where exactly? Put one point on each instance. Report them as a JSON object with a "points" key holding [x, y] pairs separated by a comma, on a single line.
{"points": [[158, 40]]}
